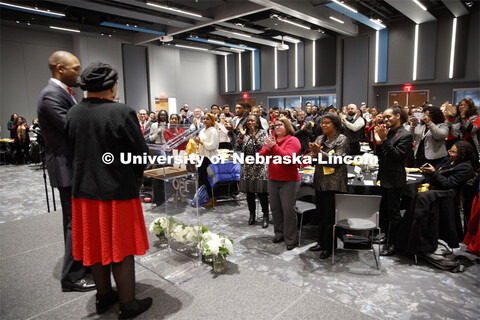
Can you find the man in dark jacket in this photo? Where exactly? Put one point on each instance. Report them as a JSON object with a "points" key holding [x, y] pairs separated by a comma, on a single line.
{"points": [[392, 148], [54, 102], [303, 130]]}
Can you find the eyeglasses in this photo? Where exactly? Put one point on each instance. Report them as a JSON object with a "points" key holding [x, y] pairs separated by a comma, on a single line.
{"points": [[279, 125]]}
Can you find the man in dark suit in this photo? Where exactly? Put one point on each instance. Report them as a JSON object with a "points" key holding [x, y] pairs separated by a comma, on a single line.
{"points": [[54, 102], [392, 148]]}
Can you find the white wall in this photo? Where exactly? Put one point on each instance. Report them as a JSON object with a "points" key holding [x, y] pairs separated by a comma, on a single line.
{"points": [[188, 76]]}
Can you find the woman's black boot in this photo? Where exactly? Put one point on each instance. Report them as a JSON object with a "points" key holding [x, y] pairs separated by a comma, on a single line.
{"points": [[252, 218], [134, 308], [265, 220], [104, 301]]}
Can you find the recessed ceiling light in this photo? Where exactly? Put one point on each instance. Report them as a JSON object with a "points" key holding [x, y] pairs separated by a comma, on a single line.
{"points": [[345, 6], [33, 10], [335, 19], [190, 47], [153, 4], [418, 3], [64, 29]]}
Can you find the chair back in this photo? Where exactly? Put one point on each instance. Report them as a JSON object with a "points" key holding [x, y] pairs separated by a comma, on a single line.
{"points": [[354, 206]]}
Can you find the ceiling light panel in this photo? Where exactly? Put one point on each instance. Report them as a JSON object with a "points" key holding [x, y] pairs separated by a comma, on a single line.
{"points": [[44, 12], [164, 7], [345, 6], [368, 21], [226, 44], [239, 36]]}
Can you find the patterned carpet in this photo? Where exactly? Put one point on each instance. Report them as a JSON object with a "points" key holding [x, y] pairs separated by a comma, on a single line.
{"points": [[401, 289]]}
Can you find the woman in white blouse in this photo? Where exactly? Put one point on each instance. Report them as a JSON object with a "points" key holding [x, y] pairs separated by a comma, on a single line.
{"points": [[223, 137], [157, 128], [207, 141]]}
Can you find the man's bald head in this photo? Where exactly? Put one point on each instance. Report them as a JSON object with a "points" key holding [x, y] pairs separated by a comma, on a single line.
{"points": [[64, 67]]}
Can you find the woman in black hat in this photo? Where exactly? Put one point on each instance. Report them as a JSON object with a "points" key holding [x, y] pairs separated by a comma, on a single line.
{"points": [[108, 227]]}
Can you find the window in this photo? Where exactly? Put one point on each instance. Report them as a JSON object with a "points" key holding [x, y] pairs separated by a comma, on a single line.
{"points": [[472, 93], [293, 101]]}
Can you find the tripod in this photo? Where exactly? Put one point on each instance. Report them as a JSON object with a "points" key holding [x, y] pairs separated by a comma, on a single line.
{"points": [[41, 142]]}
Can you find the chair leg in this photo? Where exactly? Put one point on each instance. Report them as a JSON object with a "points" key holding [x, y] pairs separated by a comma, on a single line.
{"points": [[333, 245], [373, 249], [300, 231]]}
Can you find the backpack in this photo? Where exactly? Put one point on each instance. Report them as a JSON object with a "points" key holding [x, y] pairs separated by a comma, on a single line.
{"points": [[202, 197]]}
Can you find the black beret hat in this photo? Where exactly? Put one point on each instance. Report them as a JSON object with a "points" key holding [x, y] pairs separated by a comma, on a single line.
{"points": [[98, 76]]}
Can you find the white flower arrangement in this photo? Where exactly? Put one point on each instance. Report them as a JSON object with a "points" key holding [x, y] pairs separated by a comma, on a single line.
{"points": [[159, 226], [213, 244]]}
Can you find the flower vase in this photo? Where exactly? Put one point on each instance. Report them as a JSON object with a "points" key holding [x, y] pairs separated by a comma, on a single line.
{"points": [[219, 263], [194, 249], [208, 258], [162, 240]]}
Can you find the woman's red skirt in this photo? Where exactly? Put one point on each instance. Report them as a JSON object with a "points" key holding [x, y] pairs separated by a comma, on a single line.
{"points": [[107, 231]]}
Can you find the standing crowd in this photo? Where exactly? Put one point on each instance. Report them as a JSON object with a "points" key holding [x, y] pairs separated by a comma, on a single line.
{"points": [[102, 214]]}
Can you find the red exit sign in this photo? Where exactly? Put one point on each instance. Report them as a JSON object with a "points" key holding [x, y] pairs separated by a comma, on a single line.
{"points": [[407, 87]]}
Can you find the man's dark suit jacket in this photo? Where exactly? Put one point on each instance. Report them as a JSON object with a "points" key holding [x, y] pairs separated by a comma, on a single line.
{"points": [[52, 107], [391, 157]]}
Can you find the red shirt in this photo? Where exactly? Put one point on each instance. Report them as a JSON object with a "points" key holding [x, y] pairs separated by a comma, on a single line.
{"points": [[289, 146]]}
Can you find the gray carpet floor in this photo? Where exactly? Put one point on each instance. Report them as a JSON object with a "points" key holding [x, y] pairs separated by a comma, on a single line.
{"points": [[261, 281]]}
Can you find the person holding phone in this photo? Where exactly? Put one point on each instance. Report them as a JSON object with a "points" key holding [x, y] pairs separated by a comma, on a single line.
{"points": [[429, 137]]}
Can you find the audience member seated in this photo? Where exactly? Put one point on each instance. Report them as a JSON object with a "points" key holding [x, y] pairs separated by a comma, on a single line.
{"points": [[454, 171]]}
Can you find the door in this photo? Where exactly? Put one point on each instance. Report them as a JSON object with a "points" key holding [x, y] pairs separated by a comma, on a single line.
{"points": [[417, 97], [399, 96]]}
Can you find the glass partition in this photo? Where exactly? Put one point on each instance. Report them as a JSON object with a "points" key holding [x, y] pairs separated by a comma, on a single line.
{"points": [[176, 254]]}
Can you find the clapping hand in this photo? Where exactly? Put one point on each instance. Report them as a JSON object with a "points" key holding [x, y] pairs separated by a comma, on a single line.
{"points": [[316, 148], [380, 134], [242, 131], [270, 142]]}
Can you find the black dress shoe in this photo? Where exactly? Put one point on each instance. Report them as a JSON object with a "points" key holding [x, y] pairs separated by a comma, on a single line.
{"points": [[275, 240], [104, 301], [318, 247], [325, 254], [291, 246], [82, 285]]}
